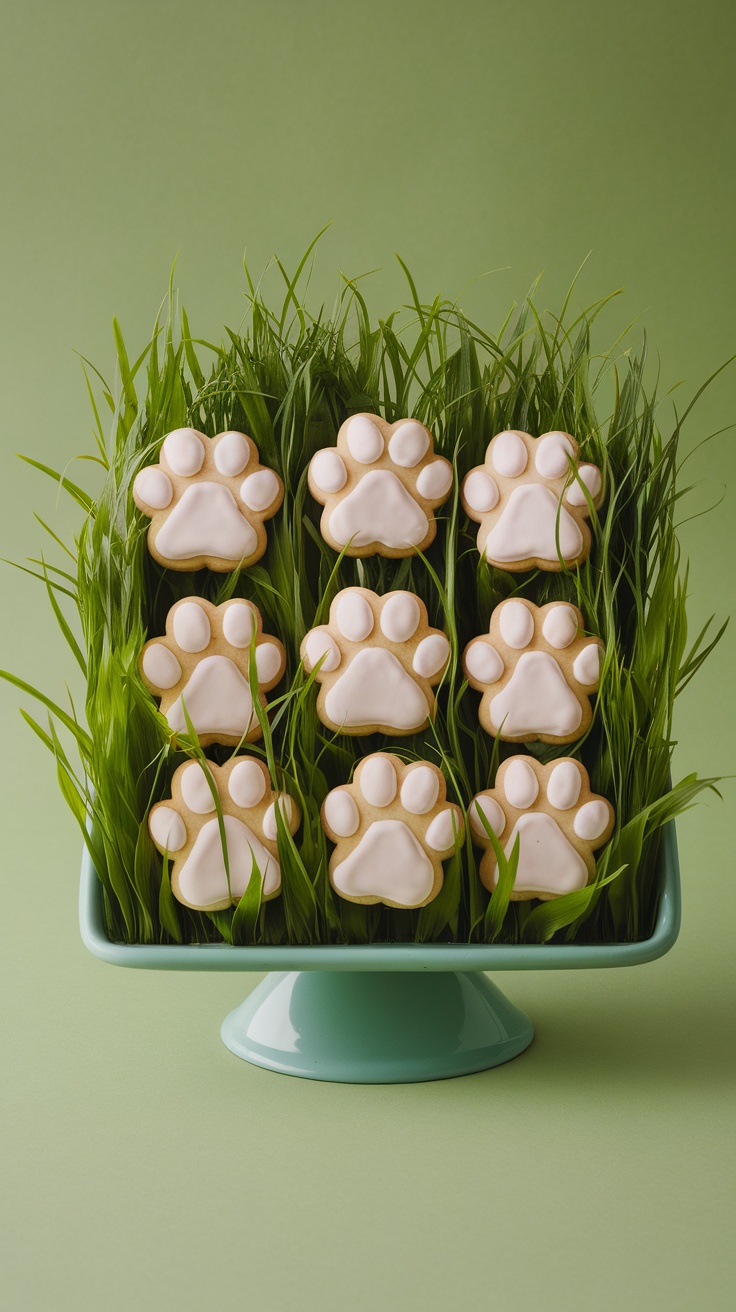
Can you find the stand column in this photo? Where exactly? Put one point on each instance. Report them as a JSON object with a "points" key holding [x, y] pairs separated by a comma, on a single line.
{"points": [[365, 1027]]}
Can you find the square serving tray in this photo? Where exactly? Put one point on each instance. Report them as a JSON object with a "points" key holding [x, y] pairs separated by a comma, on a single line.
{"points": [[390, 956], [383, 1012]]}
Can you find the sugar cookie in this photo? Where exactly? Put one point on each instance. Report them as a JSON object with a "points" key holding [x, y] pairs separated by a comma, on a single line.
{"points": [[392, 828], [381, 660], [559, 821], [186, 826], [380, 487], [526, 496], [204, 659], [207, 500], [537, 671]]}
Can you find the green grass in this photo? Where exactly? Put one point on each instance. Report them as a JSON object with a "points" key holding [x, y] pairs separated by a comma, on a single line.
{"points": [[290, 380]]}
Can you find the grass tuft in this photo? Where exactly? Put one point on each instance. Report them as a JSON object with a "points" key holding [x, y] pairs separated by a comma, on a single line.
{"points": [[290, 379]]}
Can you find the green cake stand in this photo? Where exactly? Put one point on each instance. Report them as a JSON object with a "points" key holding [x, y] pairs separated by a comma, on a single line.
{"points": [[387, 1013]]}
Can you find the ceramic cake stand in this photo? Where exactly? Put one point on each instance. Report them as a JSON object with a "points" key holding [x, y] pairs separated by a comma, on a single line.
{"points": [[385, 1013]]}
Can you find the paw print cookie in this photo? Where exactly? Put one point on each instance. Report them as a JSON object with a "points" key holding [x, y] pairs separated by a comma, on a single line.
{"points": [[537, 672], [559, 821], [392, 829], [527, 501], [381, 660], [186, 827], [203, 661], [380, 487], [207, 500]]}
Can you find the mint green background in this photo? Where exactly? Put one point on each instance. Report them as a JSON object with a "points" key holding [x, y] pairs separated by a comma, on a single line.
{"points": [[143, 1165]]}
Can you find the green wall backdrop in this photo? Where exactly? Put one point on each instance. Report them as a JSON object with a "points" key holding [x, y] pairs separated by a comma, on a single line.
{"points": [[144, 1166]]}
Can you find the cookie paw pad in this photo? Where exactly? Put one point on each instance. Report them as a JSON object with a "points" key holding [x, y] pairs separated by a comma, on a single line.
{"points": [[559, 821], [207, 500], [536, 671], [526, 498], [380, 487], [203, 661], [186, 827], [381, 660]]}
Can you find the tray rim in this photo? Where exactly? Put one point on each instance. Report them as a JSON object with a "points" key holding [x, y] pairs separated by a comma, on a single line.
{"points": [[388, 956]]}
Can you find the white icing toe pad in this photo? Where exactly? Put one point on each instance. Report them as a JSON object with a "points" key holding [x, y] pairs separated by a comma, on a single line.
{"points": [[207, 500], [187, 827], [528, 502], [559, 822], [380, 487], [590, 476], [392, 828], [537, 672], [202, 663], [381, 661]]}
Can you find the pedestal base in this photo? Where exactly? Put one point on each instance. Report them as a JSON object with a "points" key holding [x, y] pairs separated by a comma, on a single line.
{"points": [[367, 1027]]}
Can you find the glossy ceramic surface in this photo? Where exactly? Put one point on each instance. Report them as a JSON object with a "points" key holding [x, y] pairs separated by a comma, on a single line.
{"points": [[379, 1027], [390, 956], [386, 1012]]}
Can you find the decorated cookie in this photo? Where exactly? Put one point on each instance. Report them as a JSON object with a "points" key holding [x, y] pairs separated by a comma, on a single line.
{"points": [[381, 660], [537, 672], [392, 828], [207, 500], [380, 487], [203, 661], [559, 821], [186, 826], [527, 499]]}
